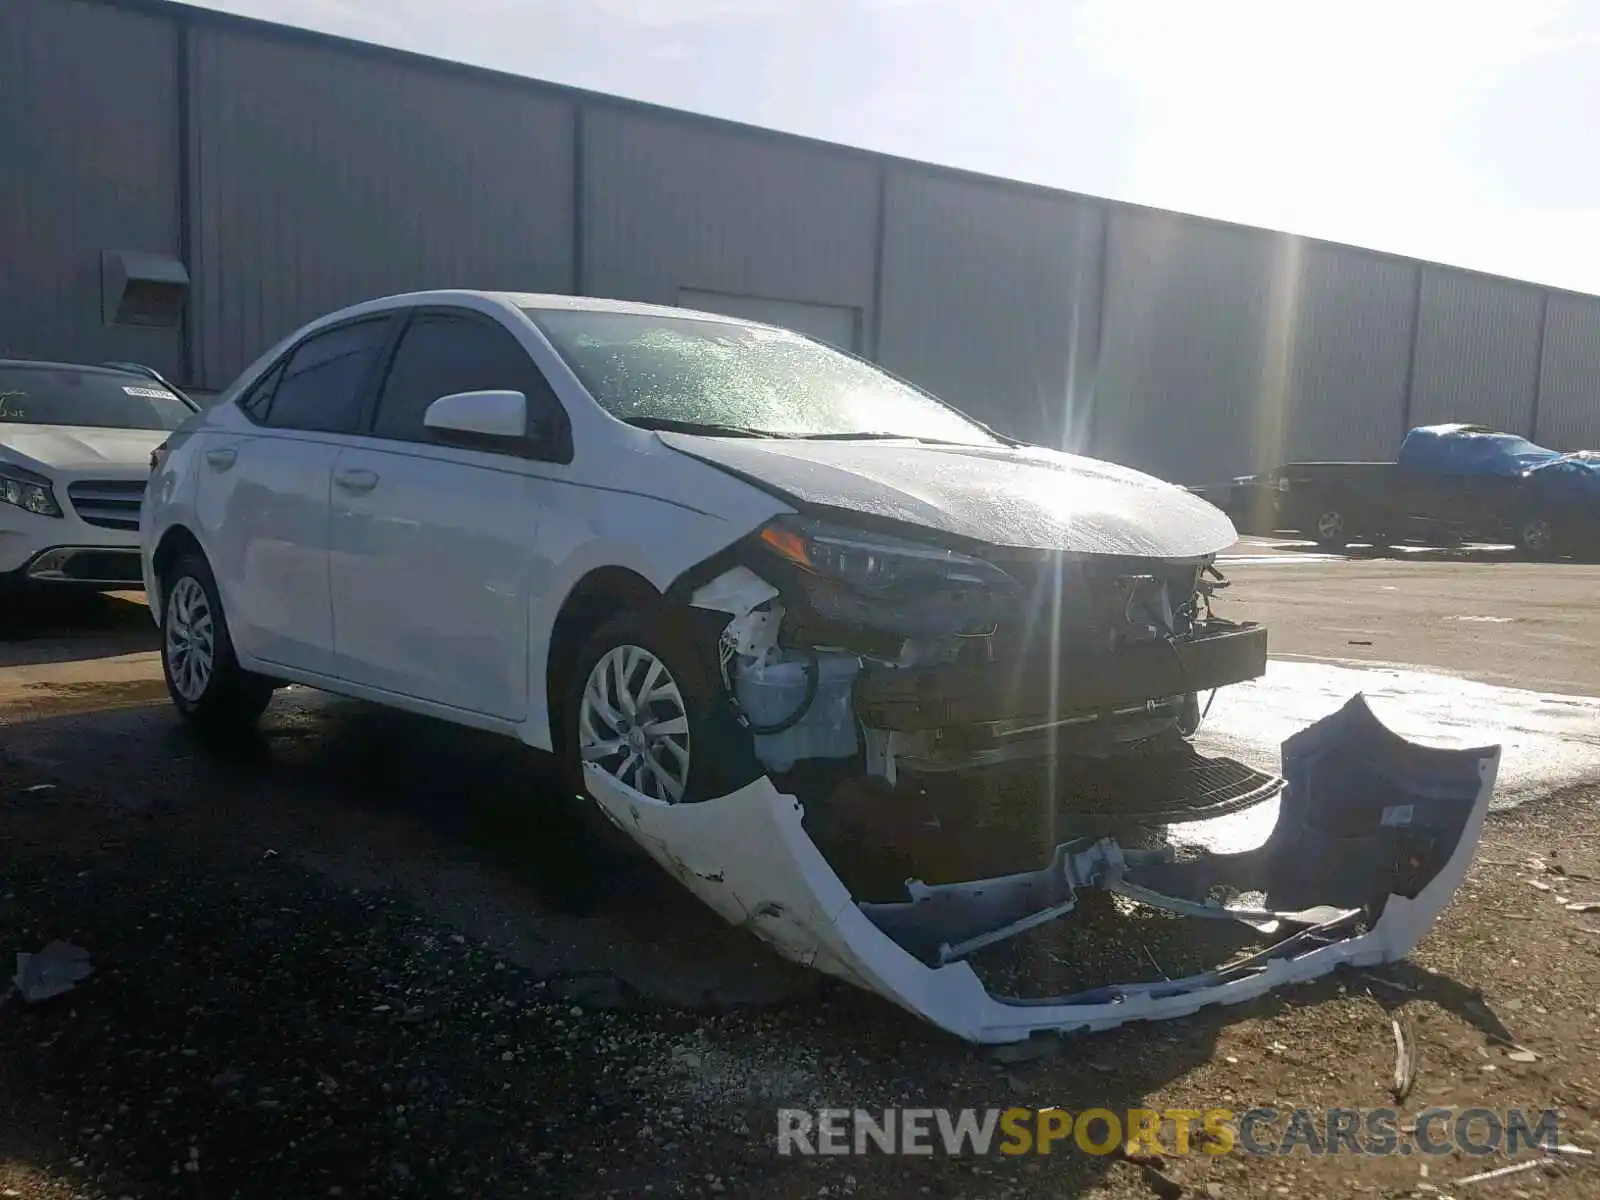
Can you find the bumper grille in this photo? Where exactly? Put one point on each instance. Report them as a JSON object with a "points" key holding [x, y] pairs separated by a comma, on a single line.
{"points": [[1078, 604], [108, 503], [70, 564]]}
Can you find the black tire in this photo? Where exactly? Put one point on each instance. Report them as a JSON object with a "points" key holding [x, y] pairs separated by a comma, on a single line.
{"points": [[230, 698], [1536, 536], [720, 756], [1331, 530]]}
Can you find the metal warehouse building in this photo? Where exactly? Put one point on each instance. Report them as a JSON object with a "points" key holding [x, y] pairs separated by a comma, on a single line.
{"points": [[183, 188]]}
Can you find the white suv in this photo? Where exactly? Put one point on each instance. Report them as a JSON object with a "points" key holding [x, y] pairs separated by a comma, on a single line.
{"points": [[684, 549], [75, 445]]}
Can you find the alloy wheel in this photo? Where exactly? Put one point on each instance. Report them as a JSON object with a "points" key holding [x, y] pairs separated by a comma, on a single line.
{"points": [[633, 724], [1330, 525], [191, 641], [1536, 534]]}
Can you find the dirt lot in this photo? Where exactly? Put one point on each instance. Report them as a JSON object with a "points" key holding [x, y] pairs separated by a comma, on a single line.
{"points": [[351, 958]]}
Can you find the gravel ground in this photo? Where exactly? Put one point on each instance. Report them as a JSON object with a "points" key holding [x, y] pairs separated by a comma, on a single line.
{"points": [[252, 1029]]}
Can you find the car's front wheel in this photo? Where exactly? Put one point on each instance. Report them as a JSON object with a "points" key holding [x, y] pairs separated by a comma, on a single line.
{"points": [[634, 708], [207, 685], [643, 705]]}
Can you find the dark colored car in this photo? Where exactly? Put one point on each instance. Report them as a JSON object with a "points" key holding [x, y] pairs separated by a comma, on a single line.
{"points": [[1448, 484]]}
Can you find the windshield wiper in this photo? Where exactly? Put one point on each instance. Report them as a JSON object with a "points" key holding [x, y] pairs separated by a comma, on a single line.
{"points": [[707, 428], [877, 436], [713, 429]]}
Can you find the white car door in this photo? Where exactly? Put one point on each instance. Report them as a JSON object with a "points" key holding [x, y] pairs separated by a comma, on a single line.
{"points": [[433, 546], [262, 500]]}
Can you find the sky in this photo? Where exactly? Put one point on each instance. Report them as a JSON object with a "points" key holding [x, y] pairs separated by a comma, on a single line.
{"points": [[1456, 130]]}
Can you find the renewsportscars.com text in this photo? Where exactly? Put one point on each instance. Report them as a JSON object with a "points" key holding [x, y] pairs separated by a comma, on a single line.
{"points": [[1173, 1131]]}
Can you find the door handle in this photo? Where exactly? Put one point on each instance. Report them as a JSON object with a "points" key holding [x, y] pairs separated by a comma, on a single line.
{"points": [[355, 481], [222, 458]]}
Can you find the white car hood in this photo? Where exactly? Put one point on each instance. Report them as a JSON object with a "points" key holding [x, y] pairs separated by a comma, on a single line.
{"points": [[70, 447], [1024, 497]]}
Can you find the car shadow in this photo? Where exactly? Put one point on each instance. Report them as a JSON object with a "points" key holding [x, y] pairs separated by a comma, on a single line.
{"points": [[1409, 553], [1286, 542], [39, 628]]}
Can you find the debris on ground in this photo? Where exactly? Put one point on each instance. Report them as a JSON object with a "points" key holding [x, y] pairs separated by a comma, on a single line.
{"points": [[51, 972], [1502, 1172], [1564, 1150], [1405, 1060]]}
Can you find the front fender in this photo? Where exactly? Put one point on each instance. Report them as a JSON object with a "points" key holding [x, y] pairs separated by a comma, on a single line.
{"points": [[652, 538]]}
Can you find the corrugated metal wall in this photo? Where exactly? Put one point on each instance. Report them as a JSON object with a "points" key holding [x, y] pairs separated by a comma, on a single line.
{"points": [[983, 293], [671, 204], [323, 178], [89, 151], [319, 174], [1569, 393], [1477, 351], [1191, 364], [1351, 338], [1228, 351]]}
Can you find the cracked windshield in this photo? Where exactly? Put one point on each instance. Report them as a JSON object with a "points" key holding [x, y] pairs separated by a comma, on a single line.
{"points": [[740, 378]]}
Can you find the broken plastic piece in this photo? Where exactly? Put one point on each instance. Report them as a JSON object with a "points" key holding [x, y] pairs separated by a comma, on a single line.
{"points": [[52, 971], [737, 591], [1405, 1062], [1374, 835]]}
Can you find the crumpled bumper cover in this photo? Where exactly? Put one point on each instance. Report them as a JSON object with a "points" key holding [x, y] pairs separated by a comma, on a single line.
{"points": [[1374, 835]]}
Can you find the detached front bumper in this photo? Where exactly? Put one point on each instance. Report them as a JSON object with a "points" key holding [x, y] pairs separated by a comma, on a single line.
{"points": [[1373, 836]]}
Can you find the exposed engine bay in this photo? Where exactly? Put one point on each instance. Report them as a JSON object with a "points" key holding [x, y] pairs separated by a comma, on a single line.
{"points": [[932, 660], [892, 661]]}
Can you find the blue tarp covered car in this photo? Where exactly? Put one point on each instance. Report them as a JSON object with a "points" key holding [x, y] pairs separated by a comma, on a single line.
{"points": [[1476, 450], [1449, 483]]}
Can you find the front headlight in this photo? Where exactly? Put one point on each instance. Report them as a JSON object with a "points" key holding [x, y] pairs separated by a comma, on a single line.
{"points": [[875, 563], [29, 491], [891, 583]]}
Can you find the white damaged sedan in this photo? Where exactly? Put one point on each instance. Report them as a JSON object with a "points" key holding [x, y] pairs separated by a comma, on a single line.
{"points": [[708, 563]]}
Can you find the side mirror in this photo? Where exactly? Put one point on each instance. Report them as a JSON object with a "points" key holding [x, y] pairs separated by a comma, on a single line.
{"points": [[485, 417], [502, 422]]}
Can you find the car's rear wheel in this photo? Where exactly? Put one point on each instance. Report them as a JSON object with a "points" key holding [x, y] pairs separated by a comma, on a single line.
{"points": [[207, 685], [1331, 531], [1536, 536]]}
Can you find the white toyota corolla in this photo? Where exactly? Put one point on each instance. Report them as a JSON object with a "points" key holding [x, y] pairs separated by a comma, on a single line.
{"points": [[687, 553]]}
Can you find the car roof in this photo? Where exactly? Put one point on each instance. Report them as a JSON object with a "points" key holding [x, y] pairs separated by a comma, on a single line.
{"points": [[538, 301], [42, 364]]}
